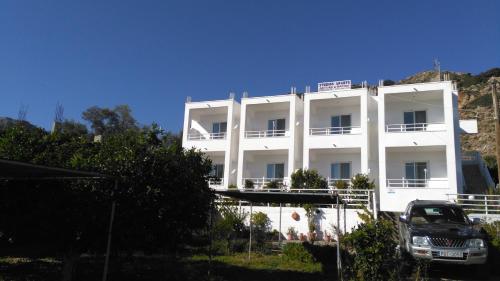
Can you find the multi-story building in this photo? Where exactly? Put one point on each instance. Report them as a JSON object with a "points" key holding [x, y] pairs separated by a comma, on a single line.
{"points": [[419, 143], [404, 137], [213, 127], [337, 135], [270, 146]]}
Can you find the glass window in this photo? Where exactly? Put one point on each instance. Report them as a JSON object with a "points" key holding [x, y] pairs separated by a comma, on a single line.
{"points": [[219, 129], [276, 170], [416, 174], [340, 170], [276, 126], [415, 120], [341, 124], [217, 171]]}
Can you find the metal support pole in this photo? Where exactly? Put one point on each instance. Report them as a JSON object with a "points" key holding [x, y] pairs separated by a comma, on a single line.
{"points": [[210, 235], [497, 123], [110, 231], [279, 231], [345, 218], [339, 264], [374, 209], [250, 238]]}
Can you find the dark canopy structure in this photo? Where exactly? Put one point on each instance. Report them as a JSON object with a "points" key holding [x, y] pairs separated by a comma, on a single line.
{"points": [[283, 197], [15, 170]]}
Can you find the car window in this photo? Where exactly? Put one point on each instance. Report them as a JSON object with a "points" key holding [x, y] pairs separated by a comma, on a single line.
{"points": [[437, 214]]}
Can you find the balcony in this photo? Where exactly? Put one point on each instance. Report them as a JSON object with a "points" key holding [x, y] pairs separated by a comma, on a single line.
{"points": [[207, 136], [263, 183], [415, 127], [216, 183], [266, 134], [417, 183], [328, 131]]}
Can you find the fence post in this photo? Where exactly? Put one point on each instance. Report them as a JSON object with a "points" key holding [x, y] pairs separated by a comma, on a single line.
{"points": [[374, 202], [486, 206]]}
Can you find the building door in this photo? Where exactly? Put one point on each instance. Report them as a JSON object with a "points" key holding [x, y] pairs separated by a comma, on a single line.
{"points": [[276, 171], [341, 124], [219, 130], [416, 174], [276, 127], [340, 171], [415, 120]]}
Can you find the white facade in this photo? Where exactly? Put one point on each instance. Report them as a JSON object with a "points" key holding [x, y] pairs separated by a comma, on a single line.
{"points": [[405, 137], [419, 144], [200, 120]]}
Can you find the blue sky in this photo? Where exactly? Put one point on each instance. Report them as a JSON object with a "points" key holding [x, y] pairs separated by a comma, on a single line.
{"points": [[152, 54]]}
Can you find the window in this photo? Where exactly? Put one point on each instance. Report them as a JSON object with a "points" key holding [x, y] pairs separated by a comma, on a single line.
{"points": [[340, 170], [415, 120], [276, 170], [217, 171], [276, 127], [416, 173], [341, 124], [219, 130]]}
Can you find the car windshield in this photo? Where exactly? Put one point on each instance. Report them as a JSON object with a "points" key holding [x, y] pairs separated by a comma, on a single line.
{"points": [[437, 214]]}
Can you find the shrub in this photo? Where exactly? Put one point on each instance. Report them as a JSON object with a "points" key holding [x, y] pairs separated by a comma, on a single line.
{"points": [[341, 184], [229, 227], [261, 222], [232, 186], [493, 231], [249, 184], [309, 179], [273, 185], [297, 252], [291, 231], [371, 250], [361, 181]]}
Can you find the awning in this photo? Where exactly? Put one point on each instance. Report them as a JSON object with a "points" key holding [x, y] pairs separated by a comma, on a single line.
{"points": [[15, 170], [282, 197]]}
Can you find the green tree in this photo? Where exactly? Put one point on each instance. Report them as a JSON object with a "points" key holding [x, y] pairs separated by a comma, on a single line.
{"points": [[105, 121], [308, 179], [362, 181]]}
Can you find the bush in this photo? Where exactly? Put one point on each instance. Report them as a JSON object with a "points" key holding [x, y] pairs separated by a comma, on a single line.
{"points": [[361, 181], [308, 179], [341, 184], [261, 222], [491, 163], [273, 185], [297, 252], [493, 231], [229, 227], [232, 186], [249, 184], [371, 250]]}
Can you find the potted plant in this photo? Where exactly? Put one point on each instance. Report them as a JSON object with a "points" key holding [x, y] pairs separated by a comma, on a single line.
{"points": [[291, 233], [311, 235], [328, 237], [295, 216], [249, 184], [302, 237]]}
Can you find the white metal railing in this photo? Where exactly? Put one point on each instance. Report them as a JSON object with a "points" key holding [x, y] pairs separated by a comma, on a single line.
{"points": [[261, 183], [266, 134], [477, 203], [215, 182], [207, 136], [416, 183], [333, 182], [415, 127], [351, 130]]}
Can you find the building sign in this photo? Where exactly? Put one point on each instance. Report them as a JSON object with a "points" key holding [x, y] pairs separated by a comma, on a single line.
{"points": [[335, 85]]}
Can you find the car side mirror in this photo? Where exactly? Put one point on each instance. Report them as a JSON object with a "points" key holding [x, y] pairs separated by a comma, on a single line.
{"points": [[476, 221], [402, 218]]}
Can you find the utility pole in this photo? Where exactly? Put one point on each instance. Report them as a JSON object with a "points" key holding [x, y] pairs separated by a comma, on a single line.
{"points": [[497, 123]]}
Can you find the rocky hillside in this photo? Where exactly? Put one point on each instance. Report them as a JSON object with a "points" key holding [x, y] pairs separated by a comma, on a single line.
{"points": [[474, 103]]}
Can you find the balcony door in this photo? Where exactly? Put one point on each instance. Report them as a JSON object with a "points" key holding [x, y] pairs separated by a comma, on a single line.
{"points": [[276, 127], [341, 124], [276, 171], [416, 173], [415, 120], [340, 171], [219, 130], [217, 171]]}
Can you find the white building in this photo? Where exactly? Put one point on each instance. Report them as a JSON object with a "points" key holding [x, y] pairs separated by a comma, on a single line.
{"points": [[419, 143], [213, 127], [404, 137], [270, 147]]}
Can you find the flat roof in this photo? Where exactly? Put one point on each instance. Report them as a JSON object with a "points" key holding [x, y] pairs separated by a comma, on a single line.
{"points": [[16, 170], [282, 197]]}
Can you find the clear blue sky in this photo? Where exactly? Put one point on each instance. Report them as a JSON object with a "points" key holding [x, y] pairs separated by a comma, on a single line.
{"points": [[152, 54]]}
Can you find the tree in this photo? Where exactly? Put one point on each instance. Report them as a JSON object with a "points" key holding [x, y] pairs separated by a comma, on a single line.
{"points": [[105, 121], [309, 179], [362, 181]]}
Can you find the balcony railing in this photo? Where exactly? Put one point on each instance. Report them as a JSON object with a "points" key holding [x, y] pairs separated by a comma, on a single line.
{"points": [[261, 183], [216, 182], [352, 130], [207, 136], [333, 182], [415, 127], [266, 134], [415, 183], [478, 203]]}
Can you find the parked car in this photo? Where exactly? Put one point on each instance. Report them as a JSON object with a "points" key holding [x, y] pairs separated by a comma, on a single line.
{"points": [[440, 231]]}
